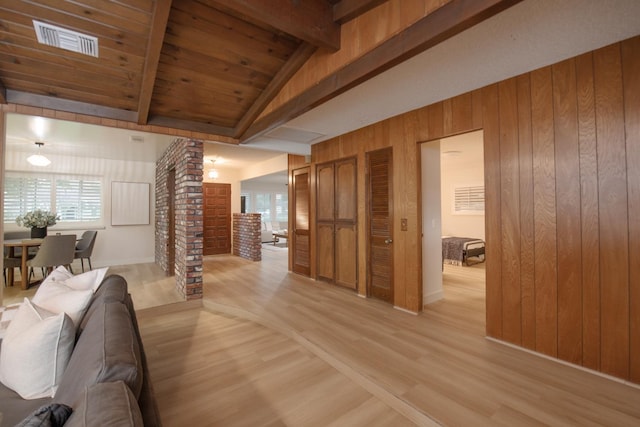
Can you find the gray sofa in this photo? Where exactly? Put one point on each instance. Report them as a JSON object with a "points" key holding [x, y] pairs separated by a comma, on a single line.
{"points": [[107, 376]]}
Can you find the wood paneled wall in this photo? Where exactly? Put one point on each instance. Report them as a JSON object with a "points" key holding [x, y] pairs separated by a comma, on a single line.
{"points": [[562, 176]]}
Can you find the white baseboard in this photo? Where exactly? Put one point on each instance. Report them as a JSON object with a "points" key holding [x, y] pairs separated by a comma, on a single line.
{"points": [[127, 261], [432, 297]]}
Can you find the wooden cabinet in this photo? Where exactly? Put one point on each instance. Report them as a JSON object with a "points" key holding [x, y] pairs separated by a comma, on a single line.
{"points": [[336, 226]]}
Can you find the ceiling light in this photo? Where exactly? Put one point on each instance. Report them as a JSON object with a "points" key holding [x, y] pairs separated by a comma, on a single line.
{"points": [[213, 173], [38, 159]]}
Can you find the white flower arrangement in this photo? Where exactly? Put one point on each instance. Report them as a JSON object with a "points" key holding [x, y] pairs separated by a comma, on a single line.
{"points": [[37, 218]]}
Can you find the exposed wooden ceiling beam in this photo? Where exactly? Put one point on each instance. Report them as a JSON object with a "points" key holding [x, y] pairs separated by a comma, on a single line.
{"points": [[346, 10], [59, 104], [300, 56], [190, 125], [308, 20], [442, 24], [156, 37]]}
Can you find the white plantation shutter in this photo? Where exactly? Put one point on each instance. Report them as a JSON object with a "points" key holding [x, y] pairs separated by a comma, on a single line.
{"points": [[74, 199], [24, 194], [469, 199], [78, 199]]}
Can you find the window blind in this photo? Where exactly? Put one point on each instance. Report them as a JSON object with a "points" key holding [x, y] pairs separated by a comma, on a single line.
{"points": [[469, 199]]}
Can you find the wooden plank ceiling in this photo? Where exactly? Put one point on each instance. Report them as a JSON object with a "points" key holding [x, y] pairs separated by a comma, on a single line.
{"points": [[209, 66]]}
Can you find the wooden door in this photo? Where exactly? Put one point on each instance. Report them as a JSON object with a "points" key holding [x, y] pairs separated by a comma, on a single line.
{"points": [[380, 224], [336, 223], [216, 219], [299, 243], [325, 214], [346, 250]]}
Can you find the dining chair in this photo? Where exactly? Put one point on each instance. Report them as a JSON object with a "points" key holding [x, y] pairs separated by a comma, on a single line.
{"points": [[84, 247], [7, 263], [54, 251]]}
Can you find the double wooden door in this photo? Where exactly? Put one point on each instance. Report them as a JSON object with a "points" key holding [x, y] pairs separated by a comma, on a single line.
{"points": [[216, 219], [336, 229]]}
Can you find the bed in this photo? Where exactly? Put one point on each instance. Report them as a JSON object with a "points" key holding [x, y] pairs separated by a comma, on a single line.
{"points": [[462, 250]]}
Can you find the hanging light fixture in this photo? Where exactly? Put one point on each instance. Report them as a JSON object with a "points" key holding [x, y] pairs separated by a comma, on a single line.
{"points": [[213, 173], [38, 159]]}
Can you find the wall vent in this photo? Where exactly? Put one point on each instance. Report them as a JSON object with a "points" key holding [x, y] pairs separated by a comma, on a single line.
{"points": [[66, 39]]}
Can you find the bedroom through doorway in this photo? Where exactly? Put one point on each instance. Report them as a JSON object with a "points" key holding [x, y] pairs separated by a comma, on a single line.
{"points": [[453, 222]]}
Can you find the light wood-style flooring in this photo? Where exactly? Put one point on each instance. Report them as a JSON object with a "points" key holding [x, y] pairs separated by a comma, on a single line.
{"points": [[270, 348]]}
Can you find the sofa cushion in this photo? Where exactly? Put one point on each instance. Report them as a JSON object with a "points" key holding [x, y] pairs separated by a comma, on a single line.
{"points": [[51, 415], [107, 350], [13, 408], [106, 404], [35, 351], [112, 289]]}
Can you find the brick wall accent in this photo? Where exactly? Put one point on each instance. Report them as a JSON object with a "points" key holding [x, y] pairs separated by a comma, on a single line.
{"points": [[185, 156], [246, 235]]}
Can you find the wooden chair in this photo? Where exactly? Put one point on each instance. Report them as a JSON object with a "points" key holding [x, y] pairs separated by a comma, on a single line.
{"points": [[54, 251], [84, 248]]}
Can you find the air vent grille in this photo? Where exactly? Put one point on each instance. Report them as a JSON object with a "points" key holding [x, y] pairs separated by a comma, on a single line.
{"points": [[66, 39]]}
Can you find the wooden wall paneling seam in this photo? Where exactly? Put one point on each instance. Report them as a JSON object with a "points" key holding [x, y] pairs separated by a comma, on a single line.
{"points": [[527, 254], [544, 192], [493, 225], [589, 212], [630, 73], [614, 231], [510, 212], [568, 226]]}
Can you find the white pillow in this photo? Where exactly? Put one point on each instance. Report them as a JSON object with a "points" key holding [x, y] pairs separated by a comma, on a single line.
{"points": [[60, 274], [57, 297], [35, 351], [89, 280]]}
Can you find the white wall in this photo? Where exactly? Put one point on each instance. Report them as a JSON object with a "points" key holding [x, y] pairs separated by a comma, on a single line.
{"points": [[431, 223], [115, 245], [465, 168]]}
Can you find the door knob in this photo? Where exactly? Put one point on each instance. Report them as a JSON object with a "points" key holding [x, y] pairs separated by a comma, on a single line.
{"points": [[388, 241]]}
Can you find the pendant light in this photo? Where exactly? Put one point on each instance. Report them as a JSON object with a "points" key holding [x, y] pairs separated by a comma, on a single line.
{"points": [[38, 159]]}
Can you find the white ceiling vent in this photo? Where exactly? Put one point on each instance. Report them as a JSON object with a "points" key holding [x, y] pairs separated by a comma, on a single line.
{"points": [[66, 39]]}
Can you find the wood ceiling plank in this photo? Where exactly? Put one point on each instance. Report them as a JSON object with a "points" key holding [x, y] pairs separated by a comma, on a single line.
{"points": [[346, 10], [208, 86], [208, 108], [110, 61], [221, 25], [442, 24], [179, 57], [309, 20], [156, 38], [19, 22], [3, 93], [301, 56], [223, 49]]}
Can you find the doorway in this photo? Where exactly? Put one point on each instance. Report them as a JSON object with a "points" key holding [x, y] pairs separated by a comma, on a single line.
{"points": [[171, 238], [452, 179]]}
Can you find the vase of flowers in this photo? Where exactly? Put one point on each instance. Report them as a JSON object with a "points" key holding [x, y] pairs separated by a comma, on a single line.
{"points": [[37, 220]]}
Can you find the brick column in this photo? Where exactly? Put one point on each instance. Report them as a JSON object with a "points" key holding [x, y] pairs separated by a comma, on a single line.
{"points": [[185, 157], [246, 235]]}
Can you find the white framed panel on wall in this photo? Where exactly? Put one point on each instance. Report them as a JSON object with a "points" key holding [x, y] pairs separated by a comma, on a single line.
{"points": [[130, 203]]}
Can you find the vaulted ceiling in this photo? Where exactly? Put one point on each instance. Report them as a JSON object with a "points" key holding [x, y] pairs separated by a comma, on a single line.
{"points": [[209, 66], [203, 65]]}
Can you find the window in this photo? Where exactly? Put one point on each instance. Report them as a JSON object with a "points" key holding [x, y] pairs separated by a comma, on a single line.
{"points": [[263, 206], [469, 200], [282, 207], [75, 199]]}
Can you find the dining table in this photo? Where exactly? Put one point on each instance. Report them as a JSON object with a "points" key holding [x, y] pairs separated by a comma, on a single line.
{"points": [[25, 244]]}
